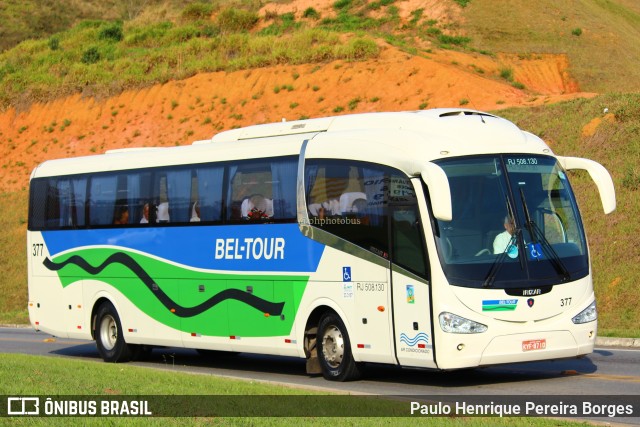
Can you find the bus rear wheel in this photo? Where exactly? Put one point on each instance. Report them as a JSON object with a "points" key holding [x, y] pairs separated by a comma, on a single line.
{"points": [[334, 350], [108, 334]]}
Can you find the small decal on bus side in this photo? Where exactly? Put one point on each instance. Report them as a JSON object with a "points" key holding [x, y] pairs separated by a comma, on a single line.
{"points": [[370, 287], [411, 296], [346, 274], [38, 249], [347, 290]]}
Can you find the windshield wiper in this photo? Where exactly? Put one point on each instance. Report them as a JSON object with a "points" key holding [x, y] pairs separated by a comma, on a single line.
{"points": [[497, 264], [537, 234], [516, 240]]}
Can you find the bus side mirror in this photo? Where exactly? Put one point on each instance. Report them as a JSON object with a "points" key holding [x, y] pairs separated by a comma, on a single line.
{"points": [[599, 175], [439, 191]]}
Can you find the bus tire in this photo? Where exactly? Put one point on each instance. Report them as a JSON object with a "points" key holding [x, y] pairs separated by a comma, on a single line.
{"points": [[108, 333], [334, 350]]}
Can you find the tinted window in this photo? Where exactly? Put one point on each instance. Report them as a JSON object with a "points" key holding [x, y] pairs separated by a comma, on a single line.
{"points": [[264, 189], [408, 246], [514, 220], [351, 200]]}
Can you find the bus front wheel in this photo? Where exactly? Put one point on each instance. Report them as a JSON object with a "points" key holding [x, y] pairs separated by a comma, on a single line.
{"points": [[334, 350], [108, 334]]}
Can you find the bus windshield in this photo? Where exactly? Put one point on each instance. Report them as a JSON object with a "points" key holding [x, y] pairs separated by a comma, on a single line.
{"points": [[515, 223]]}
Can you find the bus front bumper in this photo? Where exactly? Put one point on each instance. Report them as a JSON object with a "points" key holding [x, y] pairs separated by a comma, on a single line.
{"points": [[537, 346]]}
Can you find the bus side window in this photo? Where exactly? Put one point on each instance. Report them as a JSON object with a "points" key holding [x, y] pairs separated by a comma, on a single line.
{"points": [[102, 201], [53, 206], [262, 190], [408, 248], [209, 193], [248, 180], [348, 199], [38, 203], [178, 203]]}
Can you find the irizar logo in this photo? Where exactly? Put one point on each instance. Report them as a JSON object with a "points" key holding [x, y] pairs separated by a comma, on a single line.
{"points": [[531, 292]]}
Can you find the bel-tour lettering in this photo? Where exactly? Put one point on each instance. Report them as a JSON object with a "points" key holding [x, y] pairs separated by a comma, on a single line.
{"points": [[250, 248]]}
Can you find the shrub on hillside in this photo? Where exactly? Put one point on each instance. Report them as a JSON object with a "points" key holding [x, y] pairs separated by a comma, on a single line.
{"points": [[148, 36], [358, 49], [91, 56], [197, 11], [112, 32], [54, 43], [311, 13], [236, 20]]}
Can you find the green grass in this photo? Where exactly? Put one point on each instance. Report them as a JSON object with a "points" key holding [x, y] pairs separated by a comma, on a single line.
{"points": [[50, 376]]}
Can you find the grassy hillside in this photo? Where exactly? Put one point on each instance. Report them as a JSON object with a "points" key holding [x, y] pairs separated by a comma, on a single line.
{"points": [[167, 41], [137, 44], [32, 19], [600, 36]]}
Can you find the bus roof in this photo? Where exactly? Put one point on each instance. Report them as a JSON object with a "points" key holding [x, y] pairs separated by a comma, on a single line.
{"points": [[401, 139]]}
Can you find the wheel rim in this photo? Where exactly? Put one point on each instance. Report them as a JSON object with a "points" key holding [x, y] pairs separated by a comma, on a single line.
{"points": [[333, 346], [108, 332]]}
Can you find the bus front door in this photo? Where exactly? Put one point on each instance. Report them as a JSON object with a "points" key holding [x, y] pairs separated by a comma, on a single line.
{"points": [[411, 296]]}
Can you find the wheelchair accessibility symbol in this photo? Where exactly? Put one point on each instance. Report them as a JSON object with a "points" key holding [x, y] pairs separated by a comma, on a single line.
{"points": [[535, 251], [346, 274]]}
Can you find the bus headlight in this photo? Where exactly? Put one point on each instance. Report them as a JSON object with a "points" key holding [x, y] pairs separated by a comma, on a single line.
{"points": [[589, 314], [455, 324]]}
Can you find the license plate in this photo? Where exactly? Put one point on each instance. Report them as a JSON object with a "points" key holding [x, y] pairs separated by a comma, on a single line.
{"points": [[531, 345]]}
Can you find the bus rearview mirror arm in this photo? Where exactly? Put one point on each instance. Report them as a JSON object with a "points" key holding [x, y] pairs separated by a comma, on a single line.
{"points": [[439, 191], [599, 175]]}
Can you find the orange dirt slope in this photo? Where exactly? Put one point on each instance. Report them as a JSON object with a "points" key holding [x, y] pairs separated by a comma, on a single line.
{"points": [[179, 112]]}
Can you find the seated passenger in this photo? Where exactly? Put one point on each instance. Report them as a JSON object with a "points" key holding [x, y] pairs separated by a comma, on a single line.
{"points": [[325, 209], [163, 212], [122, 215], [314, 208], [257, 208], [347, 200], [195, 213], [145, 214], [329, 208]]}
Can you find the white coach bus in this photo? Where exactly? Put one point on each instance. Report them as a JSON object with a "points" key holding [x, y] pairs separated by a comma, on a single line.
{"points": [[438, 239]]}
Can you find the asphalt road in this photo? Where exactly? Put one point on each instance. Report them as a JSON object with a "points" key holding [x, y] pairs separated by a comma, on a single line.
{"points": [[608, 371]]}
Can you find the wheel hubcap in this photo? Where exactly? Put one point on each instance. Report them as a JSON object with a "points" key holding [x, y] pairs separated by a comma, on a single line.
{"points": [[108, 332], [333, 346]]}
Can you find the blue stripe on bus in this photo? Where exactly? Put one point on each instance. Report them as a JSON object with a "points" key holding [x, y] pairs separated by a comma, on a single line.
{"points": [[259, 247]]}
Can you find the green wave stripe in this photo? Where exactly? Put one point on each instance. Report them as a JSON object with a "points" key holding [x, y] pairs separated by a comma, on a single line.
{"points": [[500, 307], [183, 285]]}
